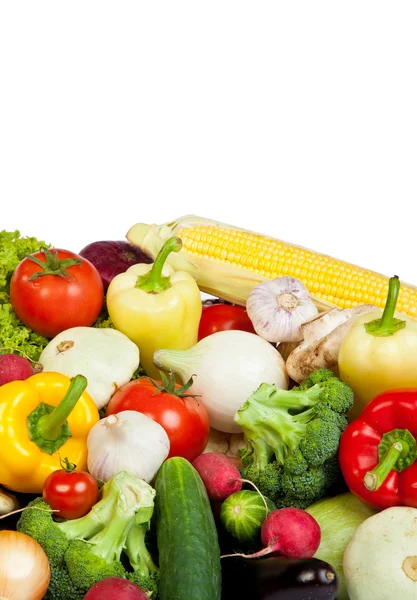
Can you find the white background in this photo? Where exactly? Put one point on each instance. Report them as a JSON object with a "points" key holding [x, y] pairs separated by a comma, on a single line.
{"points": [[296, 119]]}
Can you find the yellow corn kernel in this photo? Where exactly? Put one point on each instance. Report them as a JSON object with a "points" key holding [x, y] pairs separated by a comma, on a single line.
{"points": [[228, 262], [327, 278]]}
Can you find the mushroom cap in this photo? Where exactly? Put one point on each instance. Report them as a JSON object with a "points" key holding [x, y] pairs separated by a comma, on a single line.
{"points": [[323, 336]]}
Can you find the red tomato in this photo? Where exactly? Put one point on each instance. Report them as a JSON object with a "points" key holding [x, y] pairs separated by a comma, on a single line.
{"points": [[219, 317], [184, 419], [51, 303], [72, 493]]}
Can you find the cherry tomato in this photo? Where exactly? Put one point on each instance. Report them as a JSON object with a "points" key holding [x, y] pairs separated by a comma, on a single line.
{"points": [[184, 419], [219, 317], [73, 493], [51, 291]]}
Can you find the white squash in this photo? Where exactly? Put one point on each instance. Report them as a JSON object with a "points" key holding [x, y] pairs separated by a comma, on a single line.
{"points": [[380, 561], [106, 357]]}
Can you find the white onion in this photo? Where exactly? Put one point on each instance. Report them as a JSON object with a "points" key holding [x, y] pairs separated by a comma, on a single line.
{"points": [[228, 367], [24, 567]]}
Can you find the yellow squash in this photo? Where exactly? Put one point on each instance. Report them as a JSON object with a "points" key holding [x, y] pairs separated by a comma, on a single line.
{"points": [[43, 419], [156, 307]]}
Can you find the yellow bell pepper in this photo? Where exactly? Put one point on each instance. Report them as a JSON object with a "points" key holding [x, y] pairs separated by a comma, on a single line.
{"points": [[43, 419], [379, 353], [156, 307]]}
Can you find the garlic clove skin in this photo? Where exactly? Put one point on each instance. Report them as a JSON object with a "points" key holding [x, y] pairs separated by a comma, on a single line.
{"points": [[278, 308]]}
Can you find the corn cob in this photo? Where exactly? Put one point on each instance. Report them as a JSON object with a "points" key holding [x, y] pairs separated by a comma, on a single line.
{"points": [[227, 262]]}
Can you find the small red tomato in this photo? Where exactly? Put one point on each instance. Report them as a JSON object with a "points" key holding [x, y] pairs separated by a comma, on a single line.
{"points": [[185, 419], [72, 493], [54, 290], [220, 317]]}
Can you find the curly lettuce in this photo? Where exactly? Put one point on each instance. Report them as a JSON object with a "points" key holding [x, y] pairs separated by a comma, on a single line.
{"points": [[14, 336]]}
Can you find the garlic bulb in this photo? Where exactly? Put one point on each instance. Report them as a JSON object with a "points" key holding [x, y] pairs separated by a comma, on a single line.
{"points": [[277, 309], [127, 441]]}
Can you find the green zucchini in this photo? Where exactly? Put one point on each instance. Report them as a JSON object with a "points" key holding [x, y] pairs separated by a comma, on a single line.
{"points": [[188, 546]]}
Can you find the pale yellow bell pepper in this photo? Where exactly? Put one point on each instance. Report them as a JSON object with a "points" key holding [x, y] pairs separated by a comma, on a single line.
{"points": [[379, 353], [156, 307]]}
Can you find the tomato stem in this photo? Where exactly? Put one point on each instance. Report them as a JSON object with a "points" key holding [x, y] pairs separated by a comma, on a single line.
{"points": [[66, 465], [52, 266], [168, 386]]}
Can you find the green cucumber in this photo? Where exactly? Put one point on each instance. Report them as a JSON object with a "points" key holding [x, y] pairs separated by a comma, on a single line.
{"points": [[243, 513], [188, 546]]}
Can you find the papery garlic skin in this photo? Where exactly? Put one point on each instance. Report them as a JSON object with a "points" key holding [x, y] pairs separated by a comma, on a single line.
{"points": [[277, 308], [127, 441]]}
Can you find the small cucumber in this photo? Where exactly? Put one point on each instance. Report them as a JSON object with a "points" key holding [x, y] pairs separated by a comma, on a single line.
{"points": [[243, 513], [189, 553]]}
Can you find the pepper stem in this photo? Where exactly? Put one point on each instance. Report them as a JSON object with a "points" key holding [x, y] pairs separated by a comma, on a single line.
{"points": [[387, 324], [375, 478], [154, 281], [397, 450], [47, 425]]}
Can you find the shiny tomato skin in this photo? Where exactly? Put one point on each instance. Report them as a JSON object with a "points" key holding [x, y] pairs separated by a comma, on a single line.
{"points": [[51, 304], [220, 317], [73, 494], [185, 420]]}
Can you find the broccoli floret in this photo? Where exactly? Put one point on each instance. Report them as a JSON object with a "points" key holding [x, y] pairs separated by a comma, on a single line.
{"points": [[303, 489], [275, 420], [320, 442], [61, 586], [38, 523], [86, 567], [99, 557], [267, 479], [86, 550], [149, 584], [292, 438]]}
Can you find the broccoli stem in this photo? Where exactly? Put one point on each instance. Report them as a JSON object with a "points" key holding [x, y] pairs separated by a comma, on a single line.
{"points": [[268, 425], [111, 540], [89, 525], [137, 552]]}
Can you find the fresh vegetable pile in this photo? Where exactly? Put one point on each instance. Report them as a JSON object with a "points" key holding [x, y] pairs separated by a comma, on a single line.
{"points": [[260, 445]]}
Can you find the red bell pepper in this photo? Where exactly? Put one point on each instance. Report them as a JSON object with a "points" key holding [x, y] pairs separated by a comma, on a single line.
{"points": [[378, 451]]}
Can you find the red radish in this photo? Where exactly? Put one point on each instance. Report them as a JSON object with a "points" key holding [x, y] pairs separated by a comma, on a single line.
{"points": [[13, 368], [115, 588], [289, 532], [220, 476]]}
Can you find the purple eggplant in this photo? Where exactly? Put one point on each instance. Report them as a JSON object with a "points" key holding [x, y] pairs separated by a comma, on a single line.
{"points": [[276, 578]]}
